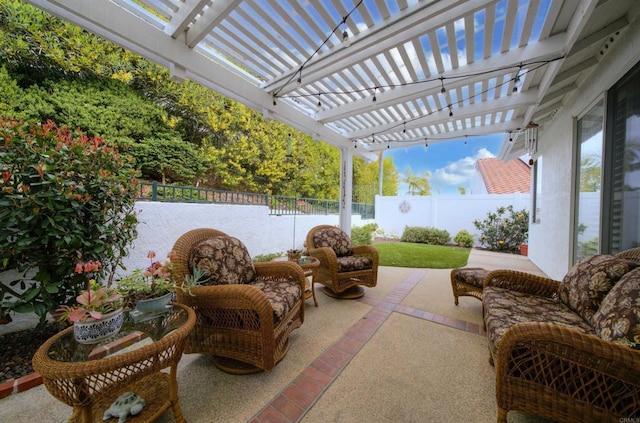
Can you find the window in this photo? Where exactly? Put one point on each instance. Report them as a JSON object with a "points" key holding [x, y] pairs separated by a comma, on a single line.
{"points": [[607, 211], [588, 182], [621, 183]]}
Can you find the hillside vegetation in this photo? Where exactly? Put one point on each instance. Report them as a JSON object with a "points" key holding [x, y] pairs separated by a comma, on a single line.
{"points": [[177, 132]]}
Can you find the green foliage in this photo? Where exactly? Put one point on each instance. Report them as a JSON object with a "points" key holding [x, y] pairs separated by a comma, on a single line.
{"points": [[423, 235], [261, 258], [504, 230], [64, 198], [366, 179], [463, 239], [363, 235], [51, 69], [417, 184], [404, 254]]}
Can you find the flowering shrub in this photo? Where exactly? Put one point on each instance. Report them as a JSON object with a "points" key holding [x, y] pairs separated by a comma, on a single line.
{"points": [[504, 230], [95, 301], [64, 197]]}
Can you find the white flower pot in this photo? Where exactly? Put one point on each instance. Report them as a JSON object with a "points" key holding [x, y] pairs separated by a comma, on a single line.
{"points": [[91, 331]]}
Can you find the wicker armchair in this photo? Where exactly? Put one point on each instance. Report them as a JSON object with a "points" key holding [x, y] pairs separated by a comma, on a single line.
{"points": [[560, 366], [244, 324], [344, 269]]}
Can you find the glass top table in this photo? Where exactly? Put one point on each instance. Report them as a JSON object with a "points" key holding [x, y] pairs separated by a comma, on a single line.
{"points": [[89, 377]]}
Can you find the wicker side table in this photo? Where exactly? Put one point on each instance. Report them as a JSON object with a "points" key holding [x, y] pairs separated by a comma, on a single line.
{"points": [[90, 377]]}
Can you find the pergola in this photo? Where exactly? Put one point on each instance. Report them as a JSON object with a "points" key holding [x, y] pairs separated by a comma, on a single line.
{"points": [[370, 75]]}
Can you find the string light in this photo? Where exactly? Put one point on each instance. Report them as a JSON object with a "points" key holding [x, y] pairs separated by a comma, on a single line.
{"points": [[344, 20], [299, 80], [443, 89], [374, 94], [404, 127]]}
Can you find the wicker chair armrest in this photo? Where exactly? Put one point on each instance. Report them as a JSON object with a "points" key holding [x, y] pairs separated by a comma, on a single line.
{"points": [[326, 255], [366, 250], [281, 269], [564, 361], [523, 282], [233, 297], [632, 254]]}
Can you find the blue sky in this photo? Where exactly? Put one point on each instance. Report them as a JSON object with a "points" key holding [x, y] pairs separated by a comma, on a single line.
{"points": [[450, 163]]}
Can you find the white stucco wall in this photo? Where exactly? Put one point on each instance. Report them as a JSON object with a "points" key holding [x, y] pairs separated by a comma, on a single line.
{"points": [[550, 240], [161, 224], [450, 212]]}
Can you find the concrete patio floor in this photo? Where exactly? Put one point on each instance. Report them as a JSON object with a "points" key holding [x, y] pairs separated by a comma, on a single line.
{"points": [[402, 353]]}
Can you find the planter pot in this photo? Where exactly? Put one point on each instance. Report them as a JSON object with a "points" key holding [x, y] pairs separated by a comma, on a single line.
{"points": [[91, 331], [524, 249], [294, 256], [153, 304]]}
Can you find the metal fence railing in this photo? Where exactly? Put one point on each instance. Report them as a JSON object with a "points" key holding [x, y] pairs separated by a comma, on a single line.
{"points": [[278, 204]]}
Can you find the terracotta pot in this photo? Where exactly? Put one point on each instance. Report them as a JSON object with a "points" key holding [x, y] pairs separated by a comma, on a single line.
{"points": [[524, 249]]}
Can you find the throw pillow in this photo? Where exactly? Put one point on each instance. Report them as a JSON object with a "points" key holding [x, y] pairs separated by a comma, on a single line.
{"points": [[335, 239], [618, 319], [590, 279], [224, 260]]}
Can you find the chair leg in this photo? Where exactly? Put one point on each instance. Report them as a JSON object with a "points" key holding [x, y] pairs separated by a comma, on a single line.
{"points": [[502, 415]]}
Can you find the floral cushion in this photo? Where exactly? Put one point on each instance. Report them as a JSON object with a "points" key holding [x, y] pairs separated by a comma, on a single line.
{"points": [[473, 276], [334, 238], [353, 263], [224, 260], [590, 279], [282, 294], [618, 318], [504, 308]]}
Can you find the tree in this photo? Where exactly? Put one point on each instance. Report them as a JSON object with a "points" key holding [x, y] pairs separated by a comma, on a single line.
{"points": [[590, 174], [417, 185]]}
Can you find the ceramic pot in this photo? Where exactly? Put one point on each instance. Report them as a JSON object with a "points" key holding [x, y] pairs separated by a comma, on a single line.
{"points": [[91, 331], [153, 304]]}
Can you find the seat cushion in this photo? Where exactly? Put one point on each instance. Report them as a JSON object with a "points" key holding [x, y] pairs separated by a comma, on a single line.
{"points": [[590, 279], [504, 308], [224, 261], [618, 318], [354, 263], [335, 239], [473, 276], [282, 295]]}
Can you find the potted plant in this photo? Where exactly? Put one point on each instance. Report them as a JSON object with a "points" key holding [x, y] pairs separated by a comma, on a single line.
{"points": [[150, 289], [294, 254], [98, 312]]}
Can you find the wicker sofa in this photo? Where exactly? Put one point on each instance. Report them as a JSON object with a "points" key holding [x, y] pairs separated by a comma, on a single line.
{"points": [[567, 350], [245, 311]]}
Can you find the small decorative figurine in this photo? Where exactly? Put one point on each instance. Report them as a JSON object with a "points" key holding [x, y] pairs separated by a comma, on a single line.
{"points": [[125, 404]]}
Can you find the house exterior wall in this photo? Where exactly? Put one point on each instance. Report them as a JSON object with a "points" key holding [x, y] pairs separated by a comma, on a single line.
{"points": [[550, 240]]}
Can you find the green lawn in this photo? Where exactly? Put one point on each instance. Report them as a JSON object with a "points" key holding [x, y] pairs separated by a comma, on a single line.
{"points": [[407, 254]]}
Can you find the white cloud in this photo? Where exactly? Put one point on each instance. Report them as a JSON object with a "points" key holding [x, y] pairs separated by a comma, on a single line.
{"points": [[461, 171]]}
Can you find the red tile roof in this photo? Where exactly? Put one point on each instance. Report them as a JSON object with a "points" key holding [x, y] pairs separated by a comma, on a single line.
{"points": [[505, 178]]}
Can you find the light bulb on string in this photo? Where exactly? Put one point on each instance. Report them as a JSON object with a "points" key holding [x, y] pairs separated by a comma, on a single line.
{"points": [[443, 89], [374, 99], [299, 80]]}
